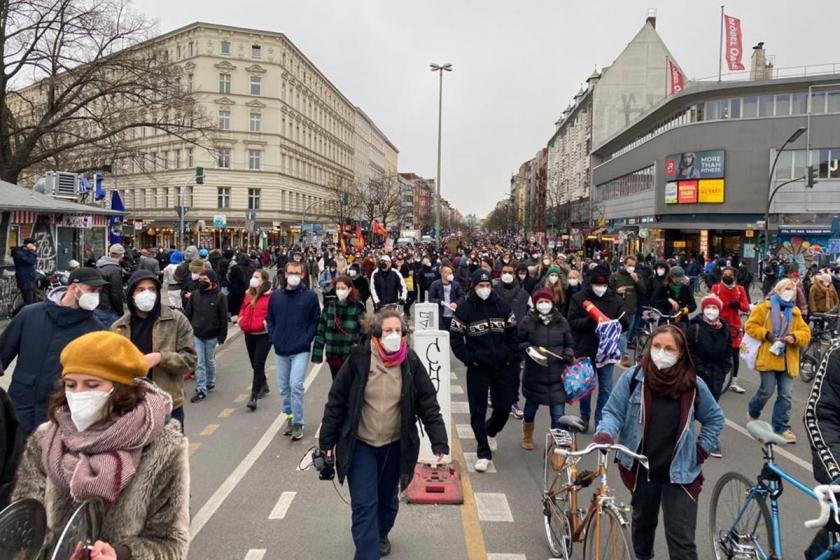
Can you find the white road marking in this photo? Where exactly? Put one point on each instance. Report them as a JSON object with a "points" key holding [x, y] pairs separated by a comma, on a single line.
{"points": [[459, 407], [465, 431], [257, 554], [499, 556], [279, 511], [452, 376], [212, 505], [471, 458], [456, 390], [776, 449], [493, 507]]}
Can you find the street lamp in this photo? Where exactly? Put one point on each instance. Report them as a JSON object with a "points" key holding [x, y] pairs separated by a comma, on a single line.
{"points": [[772, 192], [439, 68]]}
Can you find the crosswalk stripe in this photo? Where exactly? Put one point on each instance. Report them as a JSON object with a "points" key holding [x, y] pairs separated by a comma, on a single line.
{"points": [[456, 390], [279, 511], [471, 458], [255, 554], [493, 507], [465, 431], [459, 407]]}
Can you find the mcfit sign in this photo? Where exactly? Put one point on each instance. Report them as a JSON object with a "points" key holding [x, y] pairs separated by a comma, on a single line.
{"points": [[695, 177]]}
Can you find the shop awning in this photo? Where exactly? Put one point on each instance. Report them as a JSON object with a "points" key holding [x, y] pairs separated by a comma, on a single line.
{"points": [[19, 198]]}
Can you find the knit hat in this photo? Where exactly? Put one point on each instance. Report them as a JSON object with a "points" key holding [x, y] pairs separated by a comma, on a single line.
{"points": [[104, 354], [190, 253], [677, 273], [711, 300], [553, 269], [197, 266], [211, 275], [600, 274], [542, 293], [481, 275]]}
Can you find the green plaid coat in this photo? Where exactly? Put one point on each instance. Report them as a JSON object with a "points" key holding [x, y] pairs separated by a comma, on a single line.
{"points": [[339, 329]]}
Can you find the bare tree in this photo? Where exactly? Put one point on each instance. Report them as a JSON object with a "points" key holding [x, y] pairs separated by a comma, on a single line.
{"points": [[340, 203], [502, 218], [378, 199], [80, 80]]}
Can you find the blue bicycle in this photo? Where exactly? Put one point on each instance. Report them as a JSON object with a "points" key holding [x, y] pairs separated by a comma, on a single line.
{"points": [[741, 526]]}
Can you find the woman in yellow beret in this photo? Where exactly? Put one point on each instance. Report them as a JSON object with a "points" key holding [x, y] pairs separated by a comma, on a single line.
{"points": [[110, 436]]}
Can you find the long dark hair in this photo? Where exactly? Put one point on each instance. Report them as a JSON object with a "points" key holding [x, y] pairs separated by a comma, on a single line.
{"points": [[257, 293], [353, 296], [681, 377]]}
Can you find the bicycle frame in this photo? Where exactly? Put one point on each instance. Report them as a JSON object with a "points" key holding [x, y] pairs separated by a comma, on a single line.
{"points": [[769, 485]]}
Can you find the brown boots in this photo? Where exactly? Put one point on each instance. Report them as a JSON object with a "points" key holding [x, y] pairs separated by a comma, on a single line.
{"points": [[528, 436]]}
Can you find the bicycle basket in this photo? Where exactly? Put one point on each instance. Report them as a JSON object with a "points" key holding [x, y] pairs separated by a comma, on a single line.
{"points": [[561, 438]]}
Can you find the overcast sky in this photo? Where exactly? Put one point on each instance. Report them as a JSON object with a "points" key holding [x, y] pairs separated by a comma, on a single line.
{"points": [[516, 63]]}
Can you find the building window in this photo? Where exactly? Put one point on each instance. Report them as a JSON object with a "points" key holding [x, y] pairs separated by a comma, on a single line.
{"points": [[154, 161], [224, 47], [818, 102], [799, 103], [179, 52], [190, 48], [253, 199], [834, 101], [166, 197], [735, 108], [224, 158], [177, 157], [783, 105], [224, 83], [224, 120], [255, 122], [189, 157], [189, 82], [256, 82], [256, 51], [223, 197], [254, 159], [750, 107], [765, 105], [164, 156]]}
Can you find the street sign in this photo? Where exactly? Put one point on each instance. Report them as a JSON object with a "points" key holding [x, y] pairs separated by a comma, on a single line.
{"points": [[219, 221], [834, 246], [181, 210], [749, 233]]}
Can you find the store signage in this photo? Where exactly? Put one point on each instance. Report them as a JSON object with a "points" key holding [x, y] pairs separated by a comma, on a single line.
{"points": [[711, 191], [805, 230], [679, 244], [687, 192], [219, 221], [670, 193], [708, 164], [749, 233], [82, 222]]}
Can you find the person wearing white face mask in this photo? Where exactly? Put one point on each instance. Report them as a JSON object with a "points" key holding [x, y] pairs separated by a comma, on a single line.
{"points": [[778, 324], [36, 337], [447, 293], [483, 337], [654, 411], [340, 326], [251, 321], [512, 293], [163, 335], [110, 437], [629, 285]]}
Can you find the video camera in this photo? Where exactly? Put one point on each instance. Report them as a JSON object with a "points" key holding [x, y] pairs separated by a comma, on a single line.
{"points": [[324, 464]]}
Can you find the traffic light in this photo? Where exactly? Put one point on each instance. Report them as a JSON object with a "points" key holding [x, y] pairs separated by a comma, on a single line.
{"points": [[811, 177], [199, 175]]}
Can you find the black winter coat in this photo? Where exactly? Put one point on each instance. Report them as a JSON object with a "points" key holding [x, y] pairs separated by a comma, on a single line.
{"points": [[583, 326], [12, 442], [207, 311], [483, 332], [344, 406], [25, 262], [112, 296], [711, 351], [516, 297], [684, 299], [363, 287], [544, 385], [822, 417]]}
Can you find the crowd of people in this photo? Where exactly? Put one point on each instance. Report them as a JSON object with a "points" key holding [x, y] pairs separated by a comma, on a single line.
{"points": [[103, 367]]}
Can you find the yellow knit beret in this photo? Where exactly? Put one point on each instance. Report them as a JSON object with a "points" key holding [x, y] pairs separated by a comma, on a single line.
{"points": [[104, 354]]}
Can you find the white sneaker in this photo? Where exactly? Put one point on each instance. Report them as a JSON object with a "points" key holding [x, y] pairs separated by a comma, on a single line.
{"points": [[481, 465], [493, 443], [735, 388]]}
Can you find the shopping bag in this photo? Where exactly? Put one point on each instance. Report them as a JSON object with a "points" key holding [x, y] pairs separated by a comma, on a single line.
{"points": [[578, 380], [409, 283], [749, 350]]}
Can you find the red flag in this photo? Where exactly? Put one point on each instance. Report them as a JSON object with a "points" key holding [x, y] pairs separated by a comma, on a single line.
{"points": [[341, 239], [361, 238], [378, 229], [734, 47], [676, 77]]}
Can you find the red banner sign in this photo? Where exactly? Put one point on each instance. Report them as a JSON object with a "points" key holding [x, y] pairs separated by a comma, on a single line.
{"points": [[734, 46], [687, 192], [677, 81]]}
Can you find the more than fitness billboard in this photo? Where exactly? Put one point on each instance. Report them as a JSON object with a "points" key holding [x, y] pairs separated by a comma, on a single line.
{"points": [[709, 164]]}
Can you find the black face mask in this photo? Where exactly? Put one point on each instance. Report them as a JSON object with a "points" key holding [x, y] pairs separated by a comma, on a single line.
{"points": [[383, 266], [728, 280], [204, 284]]}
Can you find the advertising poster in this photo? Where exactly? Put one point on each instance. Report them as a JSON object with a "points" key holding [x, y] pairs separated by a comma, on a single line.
{"points": [[687, 192], [711, 191], [695, 165], [670, 193]]}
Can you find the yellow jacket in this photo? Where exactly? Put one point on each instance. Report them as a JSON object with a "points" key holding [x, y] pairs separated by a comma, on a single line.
{"points": [[760, 323]]}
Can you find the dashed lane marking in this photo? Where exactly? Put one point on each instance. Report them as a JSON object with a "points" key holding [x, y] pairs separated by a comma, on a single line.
{"points": [[226, 412], [473, 536], [778, 450], [212, 505], [283, 504], [452, 376], [500, 556], [459, 407], [456, 390], [255, 554], [464, 431], [193, 448], [209, 430], [493, 507], [241, 398], [471, 458]]}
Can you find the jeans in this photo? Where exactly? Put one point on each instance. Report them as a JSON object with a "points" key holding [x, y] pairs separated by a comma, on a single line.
{"points": [[500, 383], [556, 411], [679, 512], [178, 414], [107, 318], [628, 334], [205, 368], [291, 372], [783, 383], [258, 346], [373, 478], [605, 384]]}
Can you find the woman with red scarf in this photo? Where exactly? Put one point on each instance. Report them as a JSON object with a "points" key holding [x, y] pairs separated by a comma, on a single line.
{"points": [[370, 425], [110, 436]]}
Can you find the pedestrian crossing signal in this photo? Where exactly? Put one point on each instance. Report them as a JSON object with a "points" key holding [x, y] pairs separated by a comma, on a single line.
{"points": [[811, 177]]}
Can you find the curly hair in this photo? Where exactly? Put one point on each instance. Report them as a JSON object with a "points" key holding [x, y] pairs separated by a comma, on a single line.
{"points": [[125, 398]]}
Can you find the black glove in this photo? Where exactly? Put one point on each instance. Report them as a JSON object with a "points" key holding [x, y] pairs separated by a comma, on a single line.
{"points": [[770, 337], [734, 304], [324, 464]]}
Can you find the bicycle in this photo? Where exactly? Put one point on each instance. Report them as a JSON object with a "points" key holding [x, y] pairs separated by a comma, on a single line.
{"points": [[823, 332], [741, 526], [602, 527], [651, 319]]}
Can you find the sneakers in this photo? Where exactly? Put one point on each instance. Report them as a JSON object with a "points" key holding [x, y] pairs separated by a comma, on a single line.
{"points": [[516, 411], [482, 465], [199, 396], [493, 443], [716, 453], [384, 546], [287, 431], [626, 362], [735, 388], [789, 436], [211, 386], [297, 432]]}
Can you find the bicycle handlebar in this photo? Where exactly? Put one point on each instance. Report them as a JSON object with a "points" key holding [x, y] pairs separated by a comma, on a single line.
{"points": [[663, 315], [604, 447], [828, 503]]}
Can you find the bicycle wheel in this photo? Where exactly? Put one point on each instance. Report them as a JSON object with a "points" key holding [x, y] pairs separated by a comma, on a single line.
{"points": [[558, 530], [612, 542], [809, 362], [738, 529]]}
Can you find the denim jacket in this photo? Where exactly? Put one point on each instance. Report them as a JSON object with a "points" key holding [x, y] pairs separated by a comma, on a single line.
{"points": [[624, 415]]}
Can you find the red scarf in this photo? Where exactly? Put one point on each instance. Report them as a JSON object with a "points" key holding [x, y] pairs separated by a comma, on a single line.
{"points": [[391, 360]]}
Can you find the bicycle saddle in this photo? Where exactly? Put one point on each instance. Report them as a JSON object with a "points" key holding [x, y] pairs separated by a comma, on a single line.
{"points": [[763, 432], [572, 424]]}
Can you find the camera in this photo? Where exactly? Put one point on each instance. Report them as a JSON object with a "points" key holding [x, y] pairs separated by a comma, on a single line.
{"points": [[324, 464]]}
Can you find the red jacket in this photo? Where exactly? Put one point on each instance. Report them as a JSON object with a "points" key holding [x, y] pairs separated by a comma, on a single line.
{"points": [[732, 315], [251, 318]]}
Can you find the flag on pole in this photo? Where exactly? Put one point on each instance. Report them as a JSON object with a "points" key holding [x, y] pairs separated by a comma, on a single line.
{"points": [[115, 222], [675, 77], [378, 229], [734, 45], [361, 245], [341, 244]]}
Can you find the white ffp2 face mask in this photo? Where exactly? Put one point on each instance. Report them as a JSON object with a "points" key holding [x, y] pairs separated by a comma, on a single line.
{"points": [[391, 342], [711, 313], [293, 281], [544, 307], [507, 278], [255, 282], [342, 294], [599, 290], [483, 293], [787, 295], [663, 359], [89, 301], [145, 300], [87, 407]]}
